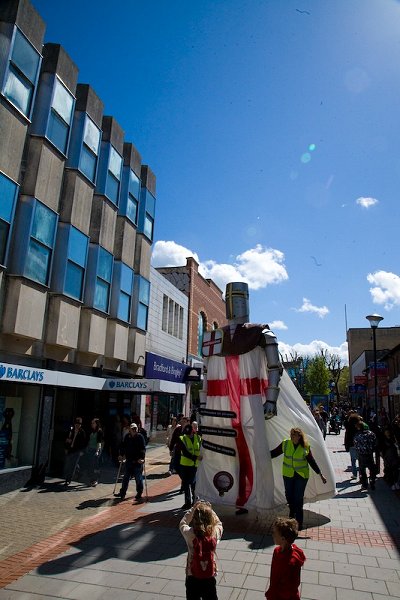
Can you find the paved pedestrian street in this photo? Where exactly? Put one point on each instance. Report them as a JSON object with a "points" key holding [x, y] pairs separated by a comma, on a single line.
{"points": [[83, 544]]}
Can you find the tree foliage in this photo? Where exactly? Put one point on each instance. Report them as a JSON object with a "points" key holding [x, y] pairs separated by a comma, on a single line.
{"points": [[317, 376]]}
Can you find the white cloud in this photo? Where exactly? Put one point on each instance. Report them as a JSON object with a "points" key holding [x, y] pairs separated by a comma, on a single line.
{"points": [[386, 290], [170, 254], [258, 266], [321, 311], [277, 325], [312, 349], [367, 202]]}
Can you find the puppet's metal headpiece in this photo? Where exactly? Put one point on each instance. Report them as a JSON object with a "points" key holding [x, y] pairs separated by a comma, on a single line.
{"points": [[237, 301]]}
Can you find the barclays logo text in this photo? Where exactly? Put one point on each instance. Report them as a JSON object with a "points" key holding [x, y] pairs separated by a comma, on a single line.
{"points": [[19, 374]]}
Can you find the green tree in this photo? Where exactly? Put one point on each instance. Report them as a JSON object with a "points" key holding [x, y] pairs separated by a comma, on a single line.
{"points": [[317, 376]]}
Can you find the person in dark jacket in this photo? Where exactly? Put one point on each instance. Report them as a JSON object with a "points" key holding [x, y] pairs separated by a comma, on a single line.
{"points": [[391, 461], [133, 452], [351, 430], [74, 447], [365, 444]]}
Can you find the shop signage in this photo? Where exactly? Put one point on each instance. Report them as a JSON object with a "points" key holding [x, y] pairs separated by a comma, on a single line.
{"points": [[159, 367], [131, 385], [18, 373]]}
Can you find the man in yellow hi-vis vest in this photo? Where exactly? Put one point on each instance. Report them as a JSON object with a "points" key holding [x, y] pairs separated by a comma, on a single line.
{"points": [[189, 444]]}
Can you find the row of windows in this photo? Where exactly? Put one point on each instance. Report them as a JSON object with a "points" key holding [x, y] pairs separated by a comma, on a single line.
{"points": [[172, 318], [75, 135], [60, 256]]}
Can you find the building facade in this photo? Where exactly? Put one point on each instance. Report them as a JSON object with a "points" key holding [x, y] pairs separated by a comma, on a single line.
{"points": [[206, 304], [77, 211], [166, 350]]}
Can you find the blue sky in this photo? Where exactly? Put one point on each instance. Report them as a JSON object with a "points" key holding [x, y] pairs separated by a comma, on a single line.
{"points": [[273, 129]]}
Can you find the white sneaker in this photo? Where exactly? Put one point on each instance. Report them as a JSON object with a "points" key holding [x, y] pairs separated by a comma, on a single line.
{"points": [[395, 486]]}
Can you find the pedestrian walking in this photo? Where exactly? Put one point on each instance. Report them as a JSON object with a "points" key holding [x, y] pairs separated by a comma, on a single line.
{"points": [[93, 451], [365, 444], [75, 444], [202, 530], [297, 457], [287, 561], [351, 430], [133, 451], [189, 443]]}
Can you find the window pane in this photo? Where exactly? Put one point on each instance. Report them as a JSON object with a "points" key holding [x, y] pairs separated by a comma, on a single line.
{"points": [[126, 279], [142, 316], [74, 281], [131, 209], [150, 202], [101, 295], [91, 136], [105, 263], [63, 102], [144, 291], [77, 247], [165, 313], [124, 307], [87, 163], [25, 56], [148, 226], [7, 196], [57, 132], [37, 262], [134, 185], [115, 162], [18, 91], [112, 188], [4, 228], [44, 224]]}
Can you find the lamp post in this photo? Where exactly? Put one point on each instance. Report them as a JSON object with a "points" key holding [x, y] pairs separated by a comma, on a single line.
{"points": [[374, 321]]}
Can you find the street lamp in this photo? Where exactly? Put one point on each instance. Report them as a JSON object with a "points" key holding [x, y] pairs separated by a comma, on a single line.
{"points": [[374, 321]]}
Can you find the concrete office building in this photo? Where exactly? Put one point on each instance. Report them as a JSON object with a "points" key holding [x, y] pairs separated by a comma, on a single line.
{"points": [[77, 211]]}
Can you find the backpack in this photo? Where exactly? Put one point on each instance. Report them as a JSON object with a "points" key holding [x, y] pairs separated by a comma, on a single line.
{"points": [[203, 561], [365, 442]]}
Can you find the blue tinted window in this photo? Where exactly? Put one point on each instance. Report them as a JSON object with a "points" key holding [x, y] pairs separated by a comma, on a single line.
{"points": [[77, 246], [87, 163], [91, 136], [134, 185], [74, 280], [148, 226], [44, 223], [115, 163], [57, 132], [124, 307], [22, 74], [132, 209], [40, 248], [101, 295], [144, 290], [4, 229], [105, 263], [7, 197], [63, 102], [126, 279], [25, 57], [38, 262], [112, 188], [142, 316]]}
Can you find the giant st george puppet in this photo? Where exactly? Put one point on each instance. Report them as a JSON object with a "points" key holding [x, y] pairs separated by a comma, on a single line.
{"points": [[251, 406]]}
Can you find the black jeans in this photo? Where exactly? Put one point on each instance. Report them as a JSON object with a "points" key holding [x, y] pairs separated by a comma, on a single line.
{"points": [[188, 476], [294, 492], [366, 461], [201, 589], [133, 469]]}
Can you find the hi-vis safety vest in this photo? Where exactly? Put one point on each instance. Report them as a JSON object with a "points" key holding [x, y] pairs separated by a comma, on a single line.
{"points": [[294, 459], [192, 446]]}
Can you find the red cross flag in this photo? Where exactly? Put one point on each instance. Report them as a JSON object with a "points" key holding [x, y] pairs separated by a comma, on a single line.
{"points": [[212, 342]]}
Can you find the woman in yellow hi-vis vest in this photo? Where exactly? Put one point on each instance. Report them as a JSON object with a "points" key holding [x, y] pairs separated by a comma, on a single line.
{"points": [[189, 444], [297, 458]]}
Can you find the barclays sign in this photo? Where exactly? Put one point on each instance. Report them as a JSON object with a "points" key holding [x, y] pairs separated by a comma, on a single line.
{"points": [[141, 386], [16, 373]]}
